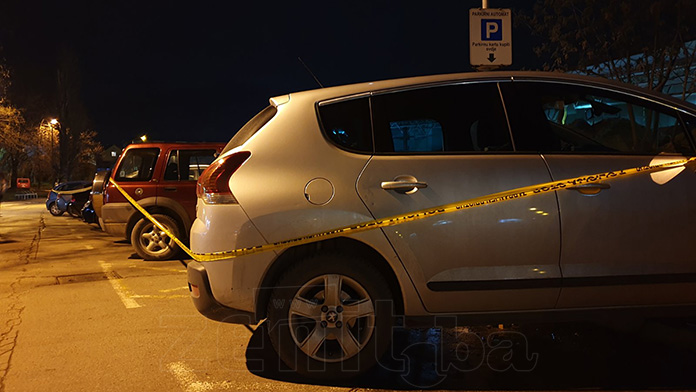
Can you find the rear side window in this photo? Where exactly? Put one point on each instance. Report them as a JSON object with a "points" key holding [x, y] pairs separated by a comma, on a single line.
{"points": [[187, 165], [461, 118], [347, 124], [551, 117], [137, 165], [251, 127], [416, 135]]}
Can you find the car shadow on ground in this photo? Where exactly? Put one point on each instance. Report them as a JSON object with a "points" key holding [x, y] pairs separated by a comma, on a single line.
{"points": [[533, 357]]}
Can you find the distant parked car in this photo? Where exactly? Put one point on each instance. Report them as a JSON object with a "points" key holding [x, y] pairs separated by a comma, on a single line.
{"points": [[161, 177], [23, 183], [88, 214], [96, 196], [59, 197], [75, 204]]}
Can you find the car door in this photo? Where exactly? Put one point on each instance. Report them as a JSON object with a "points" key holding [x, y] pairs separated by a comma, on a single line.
{"points": [[627, 241], [136, 175], [455, 141], [181, 172]]}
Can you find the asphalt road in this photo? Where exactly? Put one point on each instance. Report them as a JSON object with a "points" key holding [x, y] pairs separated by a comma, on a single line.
{"points": [[81, 312]]}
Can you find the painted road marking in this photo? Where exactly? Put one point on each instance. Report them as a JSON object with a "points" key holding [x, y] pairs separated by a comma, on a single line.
{"points": [[189, 382], [176, 289], [121, 290]]}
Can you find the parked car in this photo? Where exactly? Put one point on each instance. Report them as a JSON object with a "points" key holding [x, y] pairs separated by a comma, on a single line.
{"points": [[23, 183], [76, 202], [161, 177], [319, 160], [57, 204], [96, 196], [88, 214]]}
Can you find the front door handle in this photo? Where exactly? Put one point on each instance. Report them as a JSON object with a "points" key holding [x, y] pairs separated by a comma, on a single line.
{"points": [[403, 184], [589, 189]]}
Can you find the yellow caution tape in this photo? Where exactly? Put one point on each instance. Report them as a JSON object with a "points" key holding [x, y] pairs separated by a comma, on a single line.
{"points": [[494, 198]]}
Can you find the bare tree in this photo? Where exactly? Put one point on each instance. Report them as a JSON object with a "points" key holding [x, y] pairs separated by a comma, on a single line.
{"points": [[644, 42]]}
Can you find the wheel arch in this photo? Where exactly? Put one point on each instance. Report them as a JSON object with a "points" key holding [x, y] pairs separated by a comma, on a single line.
{"points": [[342, 245]]}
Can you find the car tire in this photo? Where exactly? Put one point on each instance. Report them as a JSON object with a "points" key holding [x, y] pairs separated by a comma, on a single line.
{"points": [[307, 319], [54, 210], [153, 244]]}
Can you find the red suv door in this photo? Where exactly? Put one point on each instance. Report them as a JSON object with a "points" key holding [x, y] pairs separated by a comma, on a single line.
{"points": [[181, 172], [135, 174]]}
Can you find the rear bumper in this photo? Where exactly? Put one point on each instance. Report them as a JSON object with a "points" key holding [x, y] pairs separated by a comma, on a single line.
{"points": [[199, 287]]}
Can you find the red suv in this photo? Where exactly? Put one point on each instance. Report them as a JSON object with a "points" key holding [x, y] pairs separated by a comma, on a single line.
{"points": [[161, 177]]}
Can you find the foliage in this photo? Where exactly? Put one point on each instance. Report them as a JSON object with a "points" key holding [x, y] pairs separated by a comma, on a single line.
{"points": [[32, 146], [12, 139], [644, 42]]}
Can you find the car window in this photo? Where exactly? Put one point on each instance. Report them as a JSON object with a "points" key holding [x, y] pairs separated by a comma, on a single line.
{"points": [[251, 127], [550, 117], [416, 135], [187, 165], [194, 162], [347, 124], [460, 118], [171, 170], [137, 165]]}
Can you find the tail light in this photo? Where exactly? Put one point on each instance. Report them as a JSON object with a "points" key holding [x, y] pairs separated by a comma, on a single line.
{"points": [[72, 200], [213, 184]]}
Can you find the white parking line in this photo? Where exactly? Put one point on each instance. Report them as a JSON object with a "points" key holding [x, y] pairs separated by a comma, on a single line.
{"points": [[123, 293], [160, 296], [176, 289], [189, 382]]}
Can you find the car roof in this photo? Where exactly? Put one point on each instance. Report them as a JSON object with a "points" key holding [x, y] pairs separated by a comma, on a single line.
{"points": [[165, 145], [433, 80]]}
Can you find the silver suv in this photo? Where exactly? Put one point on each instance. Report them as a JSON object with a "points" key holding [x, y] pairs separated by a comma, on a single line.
{"points": [[319, 160]]}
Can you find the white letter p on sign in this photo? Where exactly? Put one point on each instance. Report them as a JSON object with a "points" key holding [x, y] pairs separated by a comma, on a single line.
{"points": [[491, 28]]}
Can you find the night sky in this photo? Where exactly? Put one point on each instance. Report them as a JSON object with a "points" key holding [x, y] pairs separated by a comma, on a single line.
{"points": [[198, 71]]}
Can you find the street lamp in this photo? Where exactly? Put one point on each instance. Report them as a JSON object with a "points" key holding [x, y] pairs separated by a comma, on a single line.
{"points": [[50, 126], [143, 138]]}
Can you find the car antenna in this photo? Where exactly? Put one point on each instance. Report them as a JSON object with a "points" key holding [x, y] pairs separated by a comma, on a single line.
{"points": [[310, 72]]}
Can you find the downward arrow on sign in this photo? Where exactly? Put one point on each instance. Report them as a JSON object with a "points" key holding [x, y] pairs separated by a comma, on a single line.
{"points": [[491, 57]]}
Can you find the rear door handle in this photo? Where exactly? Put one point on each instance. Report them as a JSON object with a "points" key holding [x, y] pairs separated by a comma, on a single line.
{"points": [[589, 189], [170, 188], [404, 184]]}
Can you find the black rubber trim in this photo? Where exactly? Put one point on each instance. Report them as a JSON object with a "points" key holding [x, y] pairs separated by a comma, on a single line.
{"points": [[516, 284], [206, 303]]}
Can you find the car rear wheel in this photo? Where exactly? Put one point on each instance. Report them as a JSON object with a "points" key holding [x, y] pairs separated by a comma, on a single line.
{"points": [[330, 316], [54, 210], [151, 243]]}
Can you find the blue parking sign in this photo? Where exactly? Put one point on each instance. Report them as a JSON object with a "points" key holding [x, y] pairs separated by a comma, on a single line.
{"points": [[491, 29]]}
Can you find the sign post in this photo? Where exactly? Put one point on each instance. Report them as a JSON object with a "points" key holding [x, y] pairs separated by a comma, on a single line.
{"points": [[490, 38]]}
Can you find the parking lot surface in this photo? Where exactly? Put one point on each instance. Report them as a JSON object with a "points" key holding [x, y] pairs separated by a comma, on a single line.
{"points": [[81, 312]]}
